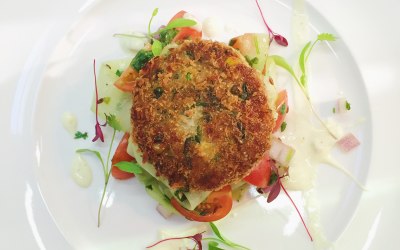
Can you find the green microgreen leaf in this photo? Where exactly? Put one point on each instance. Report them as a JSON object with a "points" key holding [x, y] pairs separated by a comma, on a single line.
{"points": [[188, 76], [130, 167], [80, 135], [113, 122], [95, 152], [333, 110], [281, 62], [155, 12], [302, 60], [213, 245], [180, 23], [326, 37], [348, 106], [177, 23], [223, 239], [156, 47], [283, 126]]}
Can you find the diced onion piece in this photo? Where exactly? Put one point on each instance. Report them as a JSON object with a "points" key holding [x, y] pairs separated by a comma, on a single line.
{"points": [[281, 152], [348, 142], [342, 106], [163, 211]]}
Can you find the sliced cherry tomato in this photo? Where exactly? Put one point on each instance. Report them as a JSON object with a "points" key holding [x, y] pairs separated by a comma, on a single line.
{"points": [[125, 81], [261, 174], [282, 108], [215, 207], [186, 32], [121, 155]]}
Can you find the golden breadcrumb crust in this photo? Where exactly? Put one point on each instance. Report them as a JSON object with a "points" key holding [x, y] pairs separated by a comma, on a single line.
{"points": [[200, 116]]}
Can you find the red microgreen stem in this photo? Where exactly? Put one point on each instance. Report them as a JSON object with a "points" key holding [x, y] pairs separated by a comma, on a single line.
{"points": [[196, 238], [279, 39], [298, 212], [98, 131]]}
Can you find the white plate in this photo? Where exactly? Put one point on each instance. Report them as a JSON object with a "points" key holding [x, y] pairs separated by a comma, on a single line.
{"points": [[130, 220]]}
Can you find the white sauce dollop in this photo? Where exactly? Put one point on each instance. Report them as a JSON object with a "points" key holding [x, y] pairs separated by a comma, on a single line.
{"points": [[81, 172], [213, 27], [69, 122]]}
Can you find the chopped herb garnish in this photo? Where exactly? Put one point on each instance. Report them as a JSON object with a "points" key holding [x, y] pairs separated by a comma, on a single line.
{"points": [[175, 76], [348, 107], [118, 72], [245, 95], [333, 110], [198, 135], [283, 126], [282, 109], [167, 36], [105, 100], [274, 177], [180, 195], [141, 59], [80, 135], [158, 92], [251, 61], [190, 54], [241, 128], [149, 187], [188, 76]]}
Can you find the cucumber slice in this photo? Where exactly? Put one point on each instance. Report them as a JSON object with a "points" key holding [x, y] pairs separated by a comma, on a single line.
{"points": [[115, 101], [154, 189]]}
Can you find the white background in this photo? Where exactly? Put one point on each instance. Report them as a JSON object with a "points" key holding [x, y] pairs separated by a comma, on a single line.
{"points": [[368, 27]]}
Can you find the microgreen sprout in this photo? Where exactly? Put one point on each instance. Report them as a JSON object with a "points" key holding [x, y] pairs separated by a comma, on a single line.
{"points": [[80, 135], [297, 210], [279, 39], [213, 241], [221, 239], [112, 122], [302, 81], [196, 238], [98, 131], [274, 188]]}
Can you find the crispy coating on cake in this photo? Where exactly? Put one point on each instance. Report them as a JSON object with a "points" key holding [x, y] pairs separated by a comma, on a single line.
{"points": [[200, 116]]}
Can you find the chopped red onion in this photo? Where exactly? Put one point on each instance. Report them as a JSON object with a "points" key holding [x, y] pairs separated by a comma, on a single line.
{"points": [[348, 142]]}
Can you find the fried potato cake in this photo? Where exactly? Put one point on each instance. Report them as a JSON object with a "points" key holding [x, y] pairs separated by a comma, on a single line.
{"points": [[200, 115]]}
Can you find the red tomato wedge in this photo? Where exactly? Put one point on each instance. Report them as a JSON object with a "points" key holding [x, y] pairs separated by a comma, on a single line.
{"points": [[125, 81], [261, 174], [186, 32], [282, 108], [215, 207], [121, 155]]}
